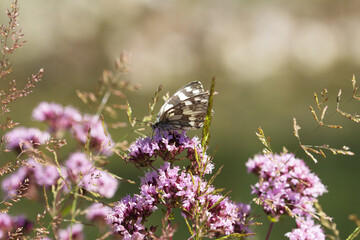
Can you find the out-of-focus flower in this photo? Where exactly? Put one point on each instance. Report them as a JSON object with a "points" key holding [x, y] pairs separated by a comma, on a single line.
{"points": [[56, 116], [97, 211], [168, 145], [12, 183], [20, 221], [10, 224], [100, 182], [83, 172], [46, 175], [306, 230], [78, 165], [99, 140], [75, 230], [285, 182], [22, 138], [37, 173], [6, 225]]}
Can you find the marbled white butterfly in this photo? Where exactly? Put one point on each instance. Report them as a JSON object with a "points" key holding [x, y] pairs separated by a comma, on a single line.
{"points": [[185, 110]]}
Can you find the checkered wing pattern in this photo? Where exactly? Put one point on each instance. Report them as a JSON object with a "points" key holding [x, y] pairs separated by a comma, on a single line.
{"points": [[185, 110]]}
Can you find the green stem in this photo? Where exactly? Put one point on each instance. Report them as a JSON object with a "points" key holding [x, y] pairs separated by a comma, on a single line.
{"points": [[103, 102], [73, 209], [354, 234], [269, 231]]}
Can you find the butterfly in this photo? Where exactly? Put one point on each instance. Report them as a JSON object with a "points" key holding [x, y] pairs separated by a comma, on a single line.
{"points": [[185, 110]]}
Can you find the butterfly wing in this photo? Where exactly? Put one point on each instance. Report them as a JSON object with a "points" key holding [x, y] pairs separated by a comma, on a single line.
{"points": [[185, 92], [187, 114]]}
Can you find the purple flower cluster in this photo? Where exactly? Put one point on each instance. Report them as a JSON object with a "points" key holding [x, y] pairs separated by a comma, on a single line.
{"points": [[285, 183], [83, 172], [82, 127], [22, 138], [75, 231], [306, 230], [56, 116], [38, 174], [176, 189], [128, 215], [78, 170], [99, 140], [9, 224], [168, 145], [97, 211]]}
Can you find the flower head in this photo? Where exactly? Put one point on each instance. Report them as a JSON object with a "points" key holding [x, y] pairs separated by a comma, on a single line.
{"points": [[99, 140], [56, 116], [286, 181], [83, 172], [75, 231], [173, 188], [128, 215], [97, 211], [306, 230], [100, 182], [12, 183], [23, 138], [37, 173], [6, 225], [168, 145], [78, 164], [10, 224]]}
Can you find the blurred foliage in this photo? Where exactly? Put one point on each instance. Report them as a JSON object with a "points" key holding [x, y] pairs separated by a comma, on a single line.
{"points": [[269, 57]]}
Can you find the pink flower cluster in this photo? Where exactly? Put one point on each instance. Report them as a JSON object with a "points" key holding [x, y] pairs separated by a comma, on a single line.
{"points": [[78, 169], [286, 182], [168, 146], [22, 138], [306, 230], [97, 211], [75, 231], [176, 189], [9, 224], [38, 174], [56, 116], [82, 127], [82, 172]]}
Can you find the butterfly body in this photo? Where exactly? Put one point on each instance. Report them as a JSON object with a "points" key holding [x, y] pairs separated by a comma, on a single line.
{"points": [[185, 110]]}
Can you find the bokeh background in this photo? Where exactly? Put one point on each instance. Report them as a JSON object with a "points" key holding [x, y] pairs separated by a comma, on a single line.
{"points": [[268, 58]]}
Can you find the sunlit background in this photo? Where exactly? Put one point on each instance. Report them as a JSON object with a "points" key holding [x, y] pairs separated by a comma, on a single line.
{"points": [[268, 57]]}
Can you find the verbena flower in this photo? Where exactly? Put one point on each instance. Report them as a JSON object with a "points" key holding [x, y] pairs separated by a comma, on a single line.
{"points": [[75, 230], [306, 230], [168, 146], [82, 171], [22, 138], [285, 181], [175, 188], [56, 116], [99, 141], [97, 211]]}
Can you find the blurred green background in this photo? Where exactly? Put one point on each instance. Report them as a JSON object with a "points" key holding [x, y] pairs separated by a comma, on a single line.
{"points": [[268, 58]]}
